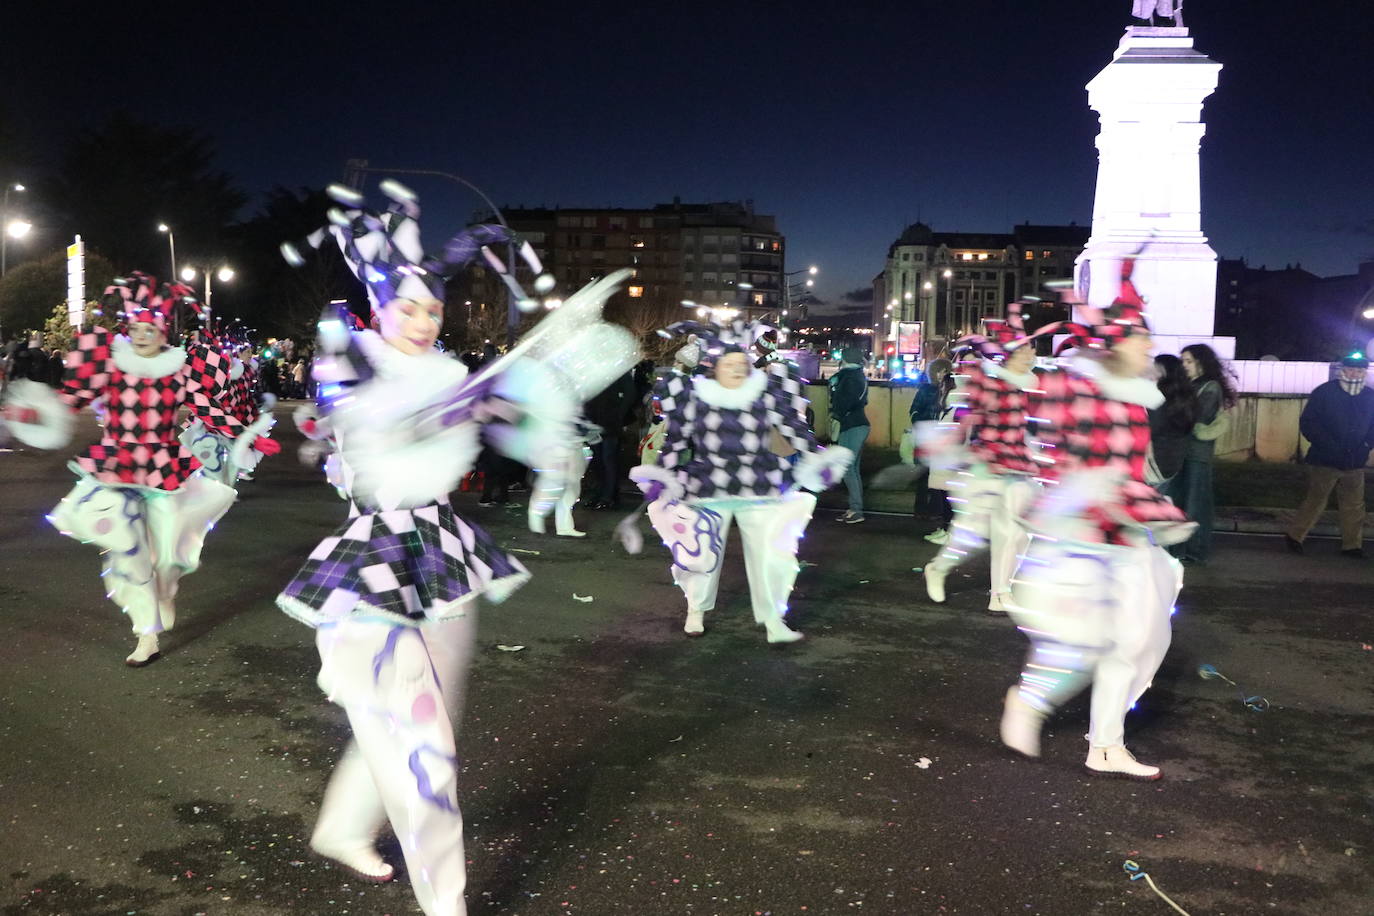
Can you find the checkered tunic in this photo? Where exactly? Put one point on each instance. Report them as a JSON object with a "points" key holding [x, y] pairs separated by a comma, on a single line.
{"points": [[402, 565], [1084, 428], [397, 563], [996, 423], [140, 444], [240, 403], [723, 452]]}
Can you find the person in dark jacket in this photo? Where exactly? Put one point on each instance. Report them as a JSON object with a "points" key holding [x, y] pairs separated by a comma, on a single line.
{"points": [[1339, 422], [1191, 489], [1171, 424], [929, 404], [848, 398], [610, 410], [31, 361]]}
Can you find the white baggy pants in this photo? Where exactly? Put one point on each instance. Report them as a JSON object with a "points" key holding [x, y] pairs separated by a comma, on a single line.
{"points": [[399, 686], [770, 530], [563, 522], [149, 539], [987, 509], [1094, 615]]}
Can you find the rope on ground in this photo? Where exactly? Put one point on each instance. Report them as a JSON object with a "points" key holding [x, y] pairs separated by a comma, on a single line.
{"points": [[1133, 871], [1254, 704]]}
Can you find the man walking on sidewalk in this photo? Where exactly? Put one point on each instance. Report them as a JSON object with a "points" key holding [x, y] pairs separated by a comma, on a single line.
{"points": [[1339, 422]]}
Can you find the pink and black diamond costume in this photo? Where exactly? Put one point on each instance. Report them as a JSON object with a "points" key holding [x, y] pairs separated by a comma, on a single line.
{"points": [[140, 497]]}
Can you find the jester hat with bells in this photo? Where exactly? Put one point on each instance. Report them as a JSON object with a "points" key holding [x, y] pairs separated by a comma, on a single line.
{"points": [[716, 340], [1102, 329], [138, 298], [383, 250], [1005, 336]]}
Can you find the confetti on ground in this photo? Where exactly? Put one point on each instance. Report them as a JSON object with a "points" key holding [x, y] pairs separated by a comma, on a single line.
{"points": [[510, 648], [1255, 703], [863, 581], [585, 599], [533, 553], [1133, 870], [924, 763]]}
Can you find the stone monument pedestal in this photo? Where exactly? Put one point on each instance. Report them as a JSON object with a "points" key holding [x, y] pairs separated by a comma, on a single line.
{"points": [[1148, 202]]}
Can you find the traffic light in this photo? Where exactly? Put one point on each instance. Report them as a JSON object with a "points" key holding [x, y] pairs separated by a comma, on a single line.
{"points": [[891, 349]]}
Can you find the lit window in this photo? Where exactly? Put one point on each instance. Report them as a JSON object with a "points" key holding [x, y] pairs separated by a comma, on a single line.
{"points": [[982, 255], [777, 246], [636, 242], [758, 298], [1030, 255], [636, 292], [1045, 254], [967, 256]]}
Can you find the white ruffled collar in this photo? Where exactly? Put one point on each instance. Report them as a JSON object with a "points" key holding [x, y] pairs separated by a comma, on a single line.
{"points": [[1023, 380], [166, 363], [1137, 390], [715, 394], [236, 369]]}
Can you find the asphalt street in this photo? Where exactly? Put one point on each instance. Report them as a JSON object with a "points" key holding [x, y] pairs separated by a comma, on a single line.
{"points": [[612, 765]]}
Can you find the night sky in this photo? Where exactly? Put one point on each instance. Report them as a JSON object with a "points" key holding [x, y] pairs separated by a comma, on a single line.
{"points": [[846, 120]]}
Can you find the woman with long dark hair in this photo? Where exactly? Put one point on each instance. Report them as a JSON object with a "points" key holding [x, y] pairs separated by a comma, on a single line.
{"points": [[1191, 489], [1171, 424]]}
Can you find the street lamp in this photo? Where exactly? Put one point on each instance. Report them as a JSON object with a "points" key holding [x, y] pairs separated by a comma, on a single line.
{"points": [[171, 244], [224, 275], [16, 229]]}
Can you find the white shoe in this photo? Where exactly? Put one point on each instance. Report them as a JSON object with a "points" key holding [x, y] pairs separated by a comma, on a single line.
{"points": [[366, 863], [779, 632], [695, 624], [572, 534], [1021, 723], [939, 536], [935, 584], [1117, 761], [145, 653], [995, 604]]}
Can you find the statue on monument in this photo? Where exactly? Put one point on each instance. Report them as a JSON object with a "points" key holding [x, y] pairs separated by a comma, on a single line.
{"points": [[1147, 10]]}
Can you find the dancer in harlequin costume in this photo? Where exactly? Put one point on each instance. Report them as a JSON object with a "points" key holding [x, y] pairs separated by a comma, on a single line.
{"points": [[139, 497], [685, 362], [1096, 588], [716, 467], [569, 478], [392, 593], [995, 483], [221, 458]]}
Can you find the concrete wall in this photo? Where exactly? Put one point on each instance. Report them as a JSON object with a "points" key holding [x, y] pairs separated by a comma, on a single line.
{"points": [[1263, 426]]}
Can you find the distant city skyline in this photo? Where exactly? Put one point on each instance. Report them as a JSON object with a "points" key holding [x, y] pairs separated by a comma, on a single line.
{"points": [[847, 123]]}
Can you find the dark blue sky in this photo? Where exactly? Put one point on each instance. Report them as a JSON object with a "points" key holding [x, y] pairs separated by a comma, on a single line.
{"points": [[845, 120]]}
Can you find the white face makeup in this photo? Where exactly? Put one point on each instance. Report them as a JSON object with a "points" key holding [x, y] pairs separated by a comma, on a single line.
{"points": [[1131, 355], [411, 326], [1020, 360], [146, 339], [732, 369]]}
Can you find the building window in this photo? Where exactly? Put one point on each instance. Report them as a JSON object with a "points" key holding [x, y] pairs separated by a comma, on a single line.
{"points": [[598, 241], [567, 222], [777, 246], [646, 222], [636, 292], [966, 256], [1030, 255], [919, 256], [729, 257], [758, 298], [906, 256], [959, 296], [616, 223], [982, 255], [636, 241], [589, 222], [1045, 254]]}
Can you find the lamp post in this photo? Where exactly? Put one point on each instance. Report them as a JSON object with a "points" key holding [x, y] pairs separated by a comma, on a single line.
{"points": [[224, 274], [18, 229]]}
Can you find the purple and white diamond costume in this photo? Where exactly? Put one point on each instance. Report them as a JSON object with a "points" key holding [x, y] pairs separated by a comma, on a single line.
{"points": [[717, 467], [393, 592]]}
